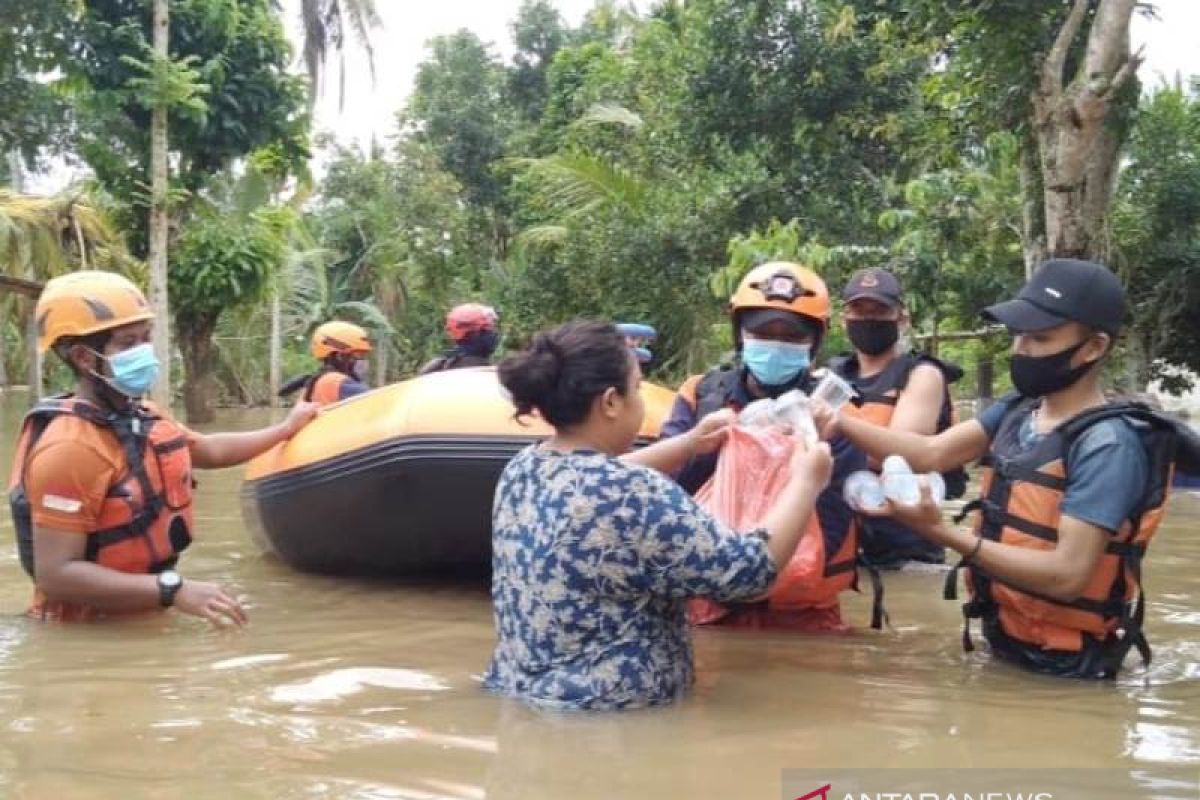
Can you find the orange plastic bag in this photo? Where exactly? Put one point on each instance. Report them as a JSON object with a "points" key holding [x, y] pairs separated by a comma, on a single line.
{"points": [[751, 472]]}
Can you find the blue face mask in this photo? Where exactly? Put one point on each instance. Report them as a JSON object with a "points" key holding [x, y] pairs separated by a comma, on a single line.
{"points": [[775, 363], [133, 370]]}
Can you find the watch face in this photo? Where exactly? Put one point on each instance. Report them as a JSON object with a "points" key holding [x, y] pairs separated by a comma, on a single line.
{"points": [[169, 577]]}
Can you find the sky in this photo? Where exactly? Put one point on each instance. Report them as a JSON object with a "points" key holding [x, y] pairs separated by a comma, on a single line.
{"points": [[1172, 42]]}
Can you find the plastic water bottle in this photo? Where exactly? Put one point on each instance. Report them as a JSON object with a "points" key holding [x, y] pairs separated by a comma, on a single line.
{"points": [[902, 487], [833, 390], [759, 414], [864, 490], [791, 410]]}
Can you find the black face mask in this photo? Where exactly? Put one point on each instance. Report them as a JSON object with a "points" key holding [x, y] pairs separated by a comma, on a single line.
{"points": [[873, 336], [480, 344], [1038, 376]]}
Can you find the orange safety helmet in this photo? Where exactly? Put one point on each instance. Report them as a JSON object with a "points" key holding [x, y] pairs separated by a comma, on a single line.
{"points": [[470, 318], [782, 286], [339, 337], [87, 302]]}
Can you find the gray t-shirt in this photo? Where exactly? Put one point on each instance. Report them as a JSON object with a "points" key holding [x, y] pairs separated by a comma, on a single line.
{"points": [[1109, 469]]}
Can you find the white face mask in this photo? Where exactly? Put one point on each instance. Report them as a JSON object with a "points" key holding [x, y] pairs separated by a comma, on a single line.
{"points": [[360, 370]]}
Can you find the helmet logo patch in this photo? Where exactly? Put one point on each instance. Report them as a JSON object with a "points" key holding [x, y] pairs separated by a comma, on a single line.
{"points": [[781, 286]]}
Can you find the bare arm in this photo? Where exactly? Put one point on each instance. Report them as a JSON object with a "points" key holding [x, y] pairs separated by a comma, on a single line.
{"points": [[64, 574], [920, 404], [1062, 573], [788, 518], [671, 455], [218, 450], [953, 447]]}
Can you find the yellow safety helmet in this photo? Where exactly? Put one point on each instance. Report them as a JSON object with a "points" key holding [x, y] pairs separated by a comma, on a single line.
{"points": [[339, 337], [783, 286], [87, 302]]}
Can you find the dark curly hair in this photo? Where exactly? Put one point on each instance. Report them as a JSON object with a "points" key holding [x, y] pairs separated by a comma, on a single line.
{"points": [[565, 369]]}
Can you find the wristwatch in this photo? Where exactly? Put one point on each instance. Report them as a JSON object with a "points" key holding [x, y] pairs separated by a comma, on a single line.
{"points": [[168, 586]]}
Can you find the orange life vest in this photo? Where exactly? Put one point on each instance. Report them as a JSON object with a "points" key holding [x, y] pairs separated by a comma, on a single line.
{"points": [[879, 395], [1021, 495], [325, 387], [146, 518], [838, 548]]}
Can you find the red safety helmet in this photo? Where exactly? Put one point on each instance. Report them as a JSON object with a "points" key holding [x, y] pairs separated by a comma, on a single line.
{"points": [[470, 318]]}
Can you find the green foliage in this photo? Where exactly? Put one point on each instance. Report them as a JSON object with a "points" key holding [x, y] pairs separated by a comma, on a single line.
{"points": [[172, 84], [33, 40], [633, 168], [1156, 227], [398, 239], [223, 261], [458, 109], [227, 82]]}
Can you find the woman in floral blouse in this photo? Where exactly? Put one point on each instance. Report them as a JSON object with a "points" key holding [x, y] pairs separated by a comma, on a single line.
{"points": [[595, 551]]}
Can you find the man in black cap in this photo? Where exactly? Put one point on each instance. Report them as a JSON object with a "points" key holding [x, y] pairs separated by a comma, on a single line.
{"points": [[1073, 487], [900, 390]]}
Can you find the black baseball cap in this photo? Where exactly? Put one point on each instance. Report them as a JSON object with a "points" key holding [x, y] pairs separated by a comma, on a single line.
{"points": [[1064, 290], [755, 319], [874, 284]]}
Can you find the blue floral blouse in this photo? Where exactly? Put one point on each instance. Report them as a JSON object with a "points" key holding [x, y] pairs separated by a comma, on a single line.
{"points": [[593, 560]]}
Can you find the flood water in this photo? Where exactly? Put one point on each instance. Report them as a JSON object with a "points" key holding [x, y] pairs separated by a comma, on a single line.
{"points": [[349, 689]]}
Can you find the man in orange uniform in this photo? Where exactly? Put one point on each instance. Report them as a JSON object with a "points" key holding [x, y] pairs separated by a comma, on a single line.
{"points": [[101, 487], [342, 348]]}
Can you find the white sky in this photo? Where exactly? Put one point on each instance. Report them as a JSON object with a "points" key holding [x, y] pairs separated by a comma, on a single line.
{"points": [[1172, 46]]}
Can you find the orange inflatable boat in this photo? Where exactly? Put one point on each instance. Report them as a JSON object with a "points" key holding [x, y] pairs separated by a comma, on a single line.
{"points": [[398, 481]]}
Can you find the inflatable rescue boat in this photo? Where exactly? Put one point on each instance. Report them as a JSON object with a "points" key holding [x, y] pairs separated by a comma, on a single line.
{"points": [[398, 481]]}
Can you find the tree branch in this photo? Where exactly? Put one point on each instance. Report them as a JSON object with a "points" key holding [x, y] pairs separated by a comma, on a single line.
{"points": [[1127, 71], [1108, 40], [1056, 59]]}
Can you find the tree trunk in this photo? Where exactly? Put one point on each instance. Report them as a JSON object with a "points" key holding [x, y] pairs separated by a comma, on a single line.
{"points": [[196, 345], [1137, 361], [1033, 209], [159, 221], [5, 305], [276, 348], [985, 373], [35, 355], [381, 364], [1078, 161]]}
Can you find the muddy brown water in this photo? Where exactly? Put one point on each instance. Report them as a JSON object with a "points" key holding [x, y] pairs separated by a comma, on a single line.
{"points": [[354, 689]]}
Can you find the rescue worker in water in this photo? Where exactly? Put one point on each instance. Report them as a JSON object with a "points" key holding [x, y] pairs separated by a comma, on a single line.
{"points": [[779, 315], [101, 487], [1073, 486]]}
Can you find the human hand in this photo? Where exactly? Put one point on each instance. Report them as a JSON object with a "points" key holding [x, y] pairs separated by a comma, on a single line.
{"points": [[210, 602], [812, 463], [301, 414], [712, 431], [825, 419], [925, 517]]}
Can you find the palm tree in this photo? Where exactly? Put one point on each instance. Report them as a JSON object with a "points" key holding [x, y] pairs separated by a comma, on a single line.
{"points": [[312, 295], [325, 25], [41, 237], [574, 186]]}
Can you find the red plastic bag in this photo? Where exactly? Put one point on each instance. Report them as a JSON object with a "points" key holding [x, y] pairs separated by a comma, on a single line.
{"points": [[752, 471]]}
